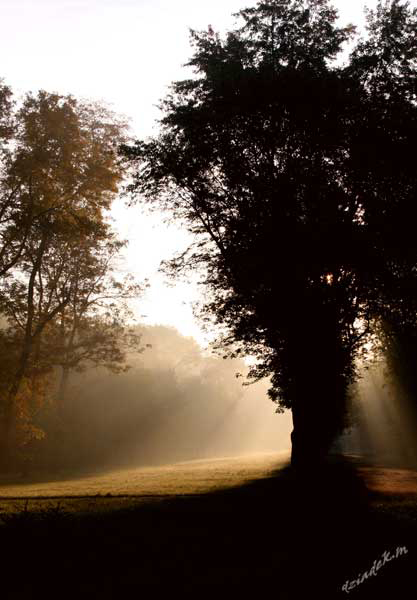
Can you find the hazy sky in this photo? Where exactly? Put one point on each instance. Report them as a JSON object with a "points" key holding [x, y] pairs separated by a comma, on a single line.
{"points": [[124, 52]]}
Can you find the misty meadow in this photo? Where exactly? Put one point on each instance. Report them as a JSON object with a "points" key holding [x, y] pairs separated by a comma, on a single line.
{"points": [[208, 329]]}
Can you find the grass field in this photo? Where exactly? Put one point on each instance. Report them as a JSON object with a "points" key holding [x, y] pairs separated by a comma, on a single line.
{"points": [[133, 485], [223, 527]]}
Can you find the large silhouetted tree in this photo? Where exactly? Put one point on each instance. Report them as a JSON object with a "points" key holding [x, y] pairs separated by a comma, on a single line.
{"points": [[296, 174]]}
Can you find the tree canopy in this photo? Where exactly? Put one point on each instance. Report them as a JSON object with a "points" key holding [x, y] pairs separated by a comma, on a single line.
{"points": [[62, 305], [295, 172]]}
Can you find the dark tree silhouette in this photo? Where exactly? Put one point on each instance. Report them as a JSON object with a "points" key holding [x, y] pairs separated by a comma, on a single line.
{"points": [[296, 174]]}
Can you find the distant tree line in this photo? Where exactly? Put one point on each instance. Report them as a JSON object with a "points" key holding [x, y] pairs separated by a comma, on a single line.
{"points": [[175, 403]]}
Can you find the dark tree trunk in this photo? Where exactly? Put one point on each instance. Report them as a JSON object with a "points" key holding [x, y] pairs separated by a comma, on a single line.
{"points": [[309, 442], [318, 362], [316, 417]]}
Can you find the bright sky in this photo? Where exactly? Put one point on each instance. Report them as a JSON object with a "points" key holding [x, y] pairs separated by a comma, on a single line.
{"points": [[124, 52]]}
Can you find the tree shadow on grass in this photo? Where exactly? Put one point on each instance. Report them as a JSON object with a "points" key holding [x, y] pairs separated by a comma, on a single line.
{"points": [[294, 537]]}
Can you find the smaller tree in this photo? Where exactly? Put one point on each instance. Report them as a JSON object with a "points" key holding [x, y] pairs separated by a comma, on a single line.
{"points": [[92, 329], [60, 174]]}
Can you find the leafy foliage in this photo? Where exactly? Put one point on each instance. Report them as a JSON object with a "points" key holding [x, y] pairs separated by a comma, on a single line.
{"points": [[295, 173], [60, 301]]}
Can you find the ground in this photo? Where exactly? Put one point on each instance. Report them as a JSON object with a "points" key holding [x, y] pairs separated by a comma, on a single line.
{"points": [[234, 526]]}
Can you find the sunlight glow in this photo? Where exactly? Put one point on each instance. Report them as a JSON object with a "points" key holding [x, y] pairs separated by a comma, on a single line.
{"points": [[384, 431], [126, 53]]}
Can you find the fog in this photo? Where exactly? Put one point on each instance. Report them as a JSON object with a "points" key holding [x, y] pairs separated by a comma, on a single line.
{"points": [[174, 404], [177, 403], [384, 428]]}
